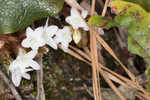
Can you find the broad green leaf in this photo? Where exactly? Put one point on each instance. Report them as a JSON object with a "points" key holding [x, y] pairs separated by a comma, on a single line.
{"points": [[136, 20], [18, 14]]}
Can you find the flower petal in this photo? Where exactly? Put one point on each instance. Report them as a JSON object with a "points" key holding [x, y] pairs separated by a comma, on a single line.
{"points": [[64, 47], [34, 64], [74, 12], [16, 79], [38, 31], [38, 44], [46, 25], [69, 19], [86, 28], [12, 65], [52, 43], [26, 76], [51, 30], [28, 70], [29, 31], [26, 43], [31, 54], [74, 21], [84, 25], [84, 13]]}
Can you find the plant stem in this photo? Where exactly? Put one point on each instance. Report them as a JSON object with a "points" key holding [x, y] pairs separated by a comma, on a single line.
{"points": [[10, 85], [40, 87]]}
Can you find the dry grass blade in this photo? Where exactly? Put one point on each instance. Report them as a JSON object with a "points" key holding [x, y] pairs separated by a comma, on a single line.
{"points": [[109, 72], [111, 84], [106, 46], [105, 8], [94, 60], [73, 3], [115, 79], [113, 75], [142, 97], [80, 52], [134, 85], [120, 79], [77, 56], [127, 81]]}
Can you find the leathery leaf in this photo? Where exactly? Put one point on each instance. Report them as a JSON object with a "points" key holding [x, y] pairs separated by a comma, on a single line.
{"points": [[18, 14]]}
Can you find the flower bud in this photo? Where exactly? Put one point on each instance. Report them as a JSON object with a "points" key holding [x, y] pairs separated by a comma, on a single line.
{"points": [[77, 36]]}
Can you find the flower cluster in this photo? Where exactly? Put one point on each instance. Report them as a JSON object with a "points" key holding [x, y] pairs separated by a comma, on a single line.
{"points": [[50, 35], [23, 63], [45, 35]]}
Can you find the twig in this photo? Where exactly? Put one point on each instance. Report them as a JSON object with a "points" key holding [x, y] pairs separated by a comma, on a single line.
{"points": [[11, 86], [74, 4], [40, 87]]}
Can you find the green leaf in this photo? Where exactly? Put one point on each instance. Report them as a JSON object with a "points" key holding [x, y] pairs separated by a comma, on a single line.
{"points": [[137, 21], [135, 48], [143, 3], [100, 21], [97, 20], [18, 14]]}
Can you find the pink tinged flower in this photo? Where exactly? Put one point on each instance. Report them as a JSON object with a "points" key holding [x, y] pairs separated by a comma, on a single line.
{"points": [[64, 37], [21, 65], [76, 21]]}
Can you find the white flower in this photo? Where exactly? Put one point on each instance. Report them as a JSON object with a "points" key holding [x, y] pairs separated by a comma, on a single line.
{"points": [[23, 64], [63, 36], [48, 34], [34, 38], [40, 36], [76, 21]]}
